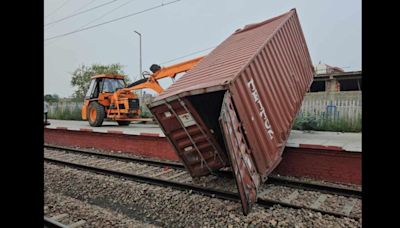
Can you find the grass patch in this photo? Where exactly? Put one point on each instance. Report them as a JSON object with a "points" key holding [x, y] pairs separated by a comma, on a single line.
{"points": [[73, 112], [60, 112], [323, 123]]}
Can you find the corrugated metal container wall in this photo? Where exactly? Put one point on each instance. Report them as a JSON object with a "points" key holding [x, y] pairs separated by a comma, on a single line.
{"points": [[269, 91], [236, 106], [225, 62]]}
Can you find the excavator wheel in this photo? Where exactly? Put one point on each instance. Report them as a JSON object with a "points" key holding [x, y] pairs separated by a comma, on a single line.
{"points": [[123, 123], [96, 114]]}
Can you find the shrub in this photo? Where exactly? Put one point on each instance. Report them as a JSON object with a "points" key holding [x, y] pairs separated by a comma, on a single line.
{"points": [[323, 123], [65, 113]]}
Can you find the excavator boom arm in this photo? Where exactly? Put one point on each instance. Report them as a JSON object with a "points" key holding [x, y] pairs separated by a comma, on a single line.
{"points": [[148, 85], [169, 71], [172, 71]]}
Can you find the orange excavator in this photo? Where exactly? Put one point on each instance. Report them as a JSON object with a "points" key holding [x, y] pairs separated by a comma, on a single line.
{"points": [[108, 97]]}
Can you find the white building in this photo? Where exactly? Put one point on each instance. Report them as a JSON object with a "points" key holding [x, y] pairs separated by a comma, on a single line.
{"points": [[322, 68]]}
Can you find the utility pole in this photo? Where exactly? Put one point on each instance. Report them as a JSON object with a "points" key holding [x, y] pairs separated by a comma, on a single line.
{"points": [[140, 58], [140, 51]]}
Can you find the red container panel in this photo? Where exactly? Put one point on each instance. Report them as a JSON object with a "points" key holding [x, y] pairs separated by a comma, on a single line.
{"points": [[247, 178], [268, 93], [225, 62], [244, 97]]}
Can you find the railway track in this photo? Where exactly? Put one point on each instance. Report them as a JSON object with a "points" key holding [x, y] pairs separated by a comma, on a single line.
{"points": [[56, 222], [174, 175]]}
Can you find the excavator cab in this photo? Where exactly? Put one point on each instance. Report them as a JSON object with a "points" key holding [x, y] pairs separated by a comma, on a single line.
{"points": [[106, 99], [104, 85]]}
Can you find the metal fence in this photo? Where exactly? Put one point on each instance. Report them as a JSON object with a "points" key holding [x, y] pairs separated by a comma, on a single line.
{"points": [[333, 106], [63, 106]]}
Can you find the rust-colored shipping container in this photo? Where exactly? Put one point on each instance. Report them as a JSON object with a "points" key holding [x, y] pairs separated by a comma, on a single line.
{"points": [[236, 107]]}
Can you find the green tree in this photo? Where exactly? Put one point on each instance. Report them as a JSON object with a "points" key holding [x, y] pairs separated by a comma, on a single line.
{"points": [[51, 98], [81, 76]]}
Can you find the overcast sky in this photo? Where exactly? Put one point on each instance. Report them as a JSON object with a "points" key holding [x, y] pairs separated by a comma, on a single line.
{"points": [[332, 30]]}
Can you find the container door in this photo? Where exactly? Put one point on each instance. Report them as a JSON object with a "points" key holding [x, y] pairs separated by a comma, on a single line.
{"points": [[247, 178], [190, 137]]}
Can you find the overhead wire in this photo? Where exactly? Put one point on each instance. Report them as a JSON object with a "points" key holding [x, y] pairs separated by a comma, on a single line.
{"points": [[54, 11], [184, 56], [79, 13], [84, 6], [110, 21], [108, 12]]}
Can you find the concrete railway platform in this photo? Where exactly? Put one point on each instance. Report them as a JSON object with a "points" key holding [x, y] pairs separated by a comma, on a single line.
{"points": [[327, 156]]}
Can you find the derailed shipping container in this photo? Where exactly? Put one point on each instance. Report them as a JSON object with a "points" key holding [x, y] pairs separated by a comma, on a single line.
{"points": [[236, 107]]}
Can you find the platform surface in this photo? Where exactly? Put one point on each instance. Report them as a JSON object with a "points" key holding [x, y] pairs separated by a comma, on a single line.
{"points": [[307, 139], [132, 129]]}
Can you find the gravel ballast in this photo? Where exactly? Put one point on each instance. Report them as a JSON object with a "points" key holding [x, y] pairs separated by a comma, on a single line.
{"points": [[148, 204], [94, 216]]}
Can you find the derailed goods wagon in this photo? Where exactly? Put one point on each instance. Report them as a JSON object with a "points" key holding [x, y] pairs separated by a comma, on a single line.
{"points": [[236, 107]]}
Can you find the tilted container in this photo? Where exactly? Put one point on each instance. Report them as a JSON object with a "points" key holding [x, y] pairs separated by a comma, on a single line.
{"points": [[236, 107]]}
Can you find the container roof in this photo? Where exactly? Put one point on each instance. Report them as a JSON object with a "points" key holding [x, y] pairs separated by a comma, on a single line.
{"points": [[226, 61]]}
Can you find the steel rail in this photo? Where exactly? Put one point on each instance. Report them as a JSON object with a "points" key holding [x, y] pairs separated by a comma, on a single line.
{"points": [[51, 223], [183, 187], [272, 179]]}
